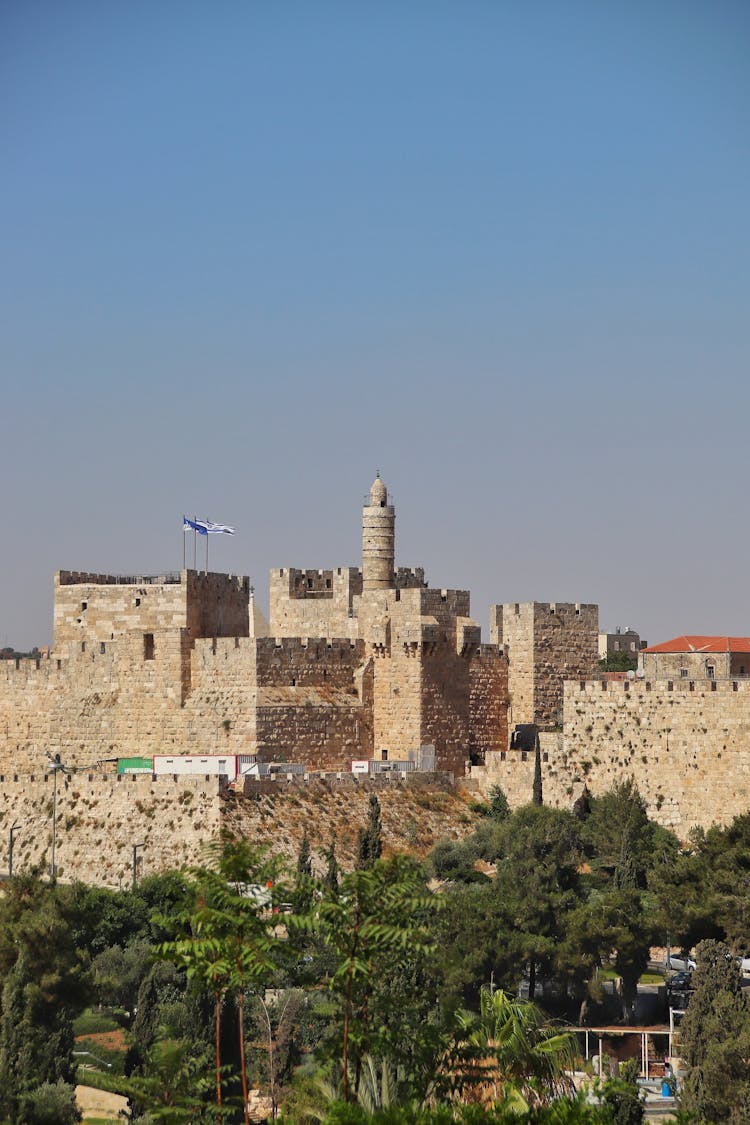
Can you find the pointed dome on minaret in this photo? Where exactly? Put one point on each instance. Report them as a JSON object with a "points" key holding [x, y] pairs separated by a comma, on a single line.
{"points": [[378, 493], [378, 539]]}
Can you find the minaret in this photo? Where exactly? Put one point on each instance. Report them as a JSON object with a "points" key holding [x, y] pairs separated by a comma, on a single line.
{"points": [[378, 539]]}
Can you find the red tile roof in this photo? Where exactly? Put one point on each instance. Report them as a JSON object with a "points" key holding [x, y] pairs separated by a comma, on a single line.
{"points": [[703, 644]]}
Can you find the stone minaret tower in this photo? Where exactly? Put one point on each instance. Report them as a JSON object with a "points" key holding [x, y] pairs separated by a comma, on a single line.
{"points": [[378, 539]]}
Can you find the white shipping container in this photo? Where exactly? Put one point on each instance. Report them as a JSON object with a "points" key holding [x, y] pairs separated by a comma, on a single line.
{"points": [[220, 765]]}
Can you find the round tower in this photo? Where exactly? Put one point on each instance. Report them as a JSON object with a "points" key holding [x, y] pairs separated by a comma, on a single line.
{"points": [[378, 539]]}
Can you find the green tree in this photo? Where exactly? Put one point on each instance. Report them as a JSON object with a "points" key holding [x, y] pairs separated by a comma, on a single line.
{"points": [[621, 1097], [302, 897], [370, 842], [623, 844], [331, 877], [715, 1040], [537, 796], [499, 807], [224, 940], [529, 1058], [537, 886], [52, 1103], [380, 913], [36, 1040]]}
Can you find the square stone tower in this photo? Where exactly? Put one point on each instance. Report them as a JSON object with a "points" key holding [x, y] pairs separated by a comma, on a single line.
{"points": [[547, 643]]}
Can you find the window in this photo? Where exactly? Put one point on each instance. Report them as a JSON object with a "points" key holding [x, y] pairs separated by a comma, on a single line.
{"points": [[148, 646], [309, 583], [683, 673], [102, 647], [84, 605], [711, 671], [137, 601]]}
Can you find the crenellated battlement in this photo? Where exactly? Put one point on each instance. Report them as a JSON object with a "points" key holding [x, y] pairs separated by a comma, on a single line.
{"points": [[636, 688]]}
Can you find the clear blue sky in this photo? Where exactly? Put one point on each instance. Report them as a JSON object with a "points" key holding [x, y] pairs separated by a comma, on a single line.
{"points": [[250, 252]]}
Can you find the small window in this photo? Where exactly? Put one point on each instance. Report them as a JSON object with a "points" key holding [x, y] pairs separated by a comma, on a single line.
{"points": [[137, 601], [309, 583], [148, 646], [83, 646], [617, 646], [711, 671], [328, 583], [84, 605], [683, 673], [742, 669], [632, 646], [102, 647]]}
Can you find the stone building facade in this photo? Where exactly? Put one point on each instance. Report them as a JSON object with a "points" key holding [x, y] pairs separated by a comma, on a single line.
{"points": [[697, 658]]}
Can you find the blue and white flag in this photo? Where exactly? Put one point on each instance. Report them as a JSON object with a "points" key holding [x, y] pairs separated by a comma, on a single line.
{"points": [[193, 525], [206, 527], [216, 528]]}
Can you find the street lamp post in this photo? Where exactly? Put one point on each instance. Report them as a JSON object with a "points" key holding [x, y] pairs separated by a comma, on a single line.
{"points": [[135, 862], [13, 830]]}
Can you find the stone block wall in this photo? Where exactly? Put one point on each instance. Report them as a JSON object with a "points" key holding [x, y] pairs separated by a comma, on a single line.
{"points": [[97, 608], [686, 745], [488, 705], [99, 819], [547, 643], [694, 665], [315, 603]]}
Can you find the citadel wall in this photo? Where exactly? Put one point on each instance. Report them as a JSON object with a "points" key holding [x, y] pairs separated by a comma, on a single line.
{"points": [[547, 643], [98, 608], [686, 744], [101, 816], [229, 695]]}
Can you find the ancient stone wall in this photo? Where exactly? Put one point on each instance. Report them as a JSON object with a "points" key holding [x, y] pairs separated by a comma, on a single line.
{"points": [[446, 696], [488, 706], [547, 643], [566, 646], [316, 603], [512, 627], [397, 699], [99, 819], [685, 744], [97, 608]]}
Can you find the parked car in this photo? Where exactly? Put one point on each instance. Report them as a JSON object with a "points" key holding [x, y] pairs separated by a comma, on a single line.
{"points": [[681, 964], [680, 981]]}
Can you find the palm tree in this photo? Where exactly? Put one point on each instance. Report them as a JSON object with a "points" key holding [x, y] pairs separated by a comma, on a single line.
{"points": [[526, 1060]]}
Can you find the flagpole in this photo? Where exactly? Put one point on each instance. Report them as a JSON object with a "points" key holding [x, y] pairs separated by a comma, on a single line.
{"points": [[195, 544], [184, 567], [207, 539]]}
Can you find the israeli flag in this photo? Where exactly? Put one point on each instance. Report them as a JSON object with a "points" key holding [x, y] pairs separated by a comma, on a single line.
{"points": [[191, 525], [216, 528], [206, 527]]}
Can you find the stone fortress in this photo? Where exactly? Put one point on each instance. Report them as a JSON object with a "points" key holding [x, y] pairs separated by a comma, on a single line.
{"points": [[353, 663]]}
